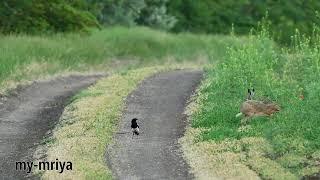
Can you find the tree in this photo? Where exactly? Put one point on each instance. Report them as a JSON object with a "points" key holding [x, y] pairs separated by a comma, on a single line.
{"points": [[155, 15], [34, 16], [121, 12], [218, 16], [151, 13]]}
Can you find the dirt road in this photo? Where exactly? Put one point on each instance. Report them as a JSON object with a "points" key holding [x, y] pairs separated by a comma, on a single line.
{"points": [[28, 114], [158, 103]]}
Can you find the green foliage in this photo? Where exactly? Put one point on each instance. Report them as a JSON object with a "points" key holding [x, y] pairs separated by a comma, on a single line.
{"points": [[218, 16], [289, 79], [155, 15], [121, 12], [36, 16], [204, 16], [142, 12], [41, 55]]}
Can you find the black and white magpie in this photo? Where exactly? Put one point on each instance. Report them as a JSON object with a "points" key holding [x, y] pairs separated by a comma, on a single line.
{"points": [[134, 127]]}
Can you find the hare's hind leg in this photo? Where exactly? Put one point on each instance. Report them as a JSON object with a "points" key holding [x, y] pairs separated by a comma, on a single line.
{"points": [[246, 118]]}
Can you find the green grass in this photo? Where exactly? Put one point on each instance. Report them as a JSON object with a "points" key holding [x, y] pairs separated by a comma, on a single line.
{"points": [[284, 145], [24, 58], [30, 57], [293, 134]]}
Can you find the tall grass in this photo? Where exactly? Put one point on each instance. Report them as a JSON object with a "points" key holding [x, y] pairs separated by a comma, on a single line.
{"points": [[289, 79], [77, 52]]}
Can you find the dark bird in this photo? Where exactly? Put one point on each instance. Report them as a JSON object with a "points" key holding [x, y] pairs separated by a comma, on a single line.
{"points": [[134, 127]]}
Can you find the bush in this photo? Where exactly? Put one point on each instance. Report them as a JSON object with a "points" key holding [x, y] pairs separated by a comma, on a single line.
{"points": [[140, 12], [36, 16], [155, 15], [121, 12]]}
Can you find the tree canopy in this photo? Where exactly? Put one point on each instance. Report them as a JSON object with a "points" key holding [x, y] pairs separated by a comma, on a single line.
{"points": [[218, 16], [205, 16], [35, 16]]}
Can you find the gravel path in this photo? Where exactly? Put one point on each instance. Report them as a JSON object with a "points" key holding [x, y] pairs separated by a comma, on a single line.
{"points": [[158, 103], [28, 114]]}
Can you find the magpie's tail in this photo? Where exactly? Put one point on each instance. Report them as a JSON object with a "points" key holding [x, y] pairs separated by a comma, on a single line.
{"points": [[135, 131]]}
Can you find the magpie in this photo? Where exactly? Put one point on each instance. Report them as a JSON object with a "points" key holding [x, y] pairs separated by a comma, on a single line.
{"points": [[134, 127], [250, 94]]}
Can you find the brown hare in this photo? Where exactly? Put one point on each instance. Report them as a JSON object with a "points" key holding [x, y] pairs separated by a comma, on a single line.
{"points": [[251, 108]]}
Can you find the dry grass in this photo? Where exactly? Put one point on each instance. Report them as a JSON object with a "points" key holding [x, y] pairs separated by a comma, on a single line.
{"points": [[87, 126], [45, 71], [276, 147], [23, 76], [88, 123], [42, 71], [210, 160], [21, 55], [246, 158], [231, 159]]}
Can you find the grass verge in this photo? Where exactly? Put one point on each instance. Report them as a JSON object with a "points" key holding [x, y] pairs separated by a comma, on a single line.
{"points": [[87, 125], [284, 146], [31, 57]]}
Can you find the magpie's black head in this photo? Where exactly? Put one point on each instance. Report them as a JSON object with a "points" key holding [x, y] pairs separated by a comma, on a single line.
{"points": [[134, 120]]}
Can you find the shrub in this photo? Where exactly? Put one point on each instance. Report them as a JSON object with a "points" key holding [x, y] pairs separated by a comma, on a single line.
{"points": [[36, 16]]}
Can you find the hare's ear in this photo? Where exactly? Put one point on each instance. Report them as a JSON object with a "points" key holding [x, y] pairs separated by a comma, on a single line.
{"points": [[249, 91], [252, 89]]}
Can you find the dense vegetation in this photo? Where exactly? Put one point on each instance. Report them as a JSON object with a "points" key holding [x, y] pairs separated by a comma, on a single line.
{"points": [[205, 16], [218, 16], [38, 16], [40, 55], [289, 79]]}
